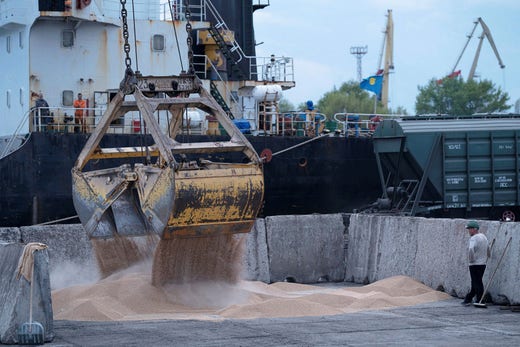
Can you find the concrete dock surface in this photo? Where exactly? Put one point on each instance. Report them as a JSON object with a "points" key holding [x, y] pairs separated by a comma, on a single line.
{"points": [[442, 323]]}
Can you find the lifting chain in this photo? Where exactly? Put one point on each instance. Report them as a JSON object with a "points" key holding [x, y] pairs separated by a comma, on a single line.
{"points": [[189, 39], [126, 46], [129, 82]]}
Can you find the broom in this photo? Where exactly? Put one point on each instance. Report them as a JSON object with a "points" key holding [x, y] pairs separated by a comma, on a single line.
{"points": [[31, 333], [480, 304]]}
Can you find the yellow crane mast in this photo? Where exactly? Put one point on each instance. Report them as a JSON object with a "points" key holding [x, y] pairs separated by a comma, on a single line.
{"points": [[387, 49]]}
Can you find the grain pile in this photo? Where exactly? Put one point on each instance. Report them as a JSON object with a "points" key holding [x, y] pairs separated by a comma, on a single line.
{"points": [[198, 278], [130, 296]]}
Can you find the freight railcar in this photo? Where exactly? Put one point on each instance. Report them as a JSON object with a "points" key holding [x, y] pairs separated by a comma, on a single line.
{"points": [[446, 166]]}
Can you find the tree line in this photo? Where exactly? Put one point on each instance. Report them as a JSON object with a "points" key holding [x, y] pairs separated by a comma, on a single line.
{"points": [[449, 96]]}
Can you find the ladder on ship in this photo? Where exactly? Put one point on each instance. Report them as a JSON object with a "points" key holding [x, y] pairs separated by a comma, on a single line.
{"points": [[268, 114], [220, 99], [231, 58], [232, 50]]}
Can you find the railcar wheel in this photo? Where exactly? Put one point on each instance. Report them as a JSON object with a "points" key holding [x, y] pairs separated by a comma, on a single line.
{"points": [[508, 216]]}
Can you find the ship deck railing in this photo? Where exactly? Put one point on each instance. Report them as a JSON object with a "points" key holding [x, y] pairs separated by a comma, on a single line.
{"points": [[359, 124], [294, 123], [63, 120], [272, 69]]}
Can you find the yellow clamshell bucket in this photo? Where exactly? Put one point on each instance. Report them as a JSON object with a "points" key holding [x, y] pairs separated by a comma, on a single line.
{"points": [[163, 195]]}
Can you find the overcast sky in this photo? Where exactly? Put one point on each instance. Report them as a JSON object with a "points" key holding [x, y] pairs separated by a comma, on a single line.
{"points": [[429, 35]]}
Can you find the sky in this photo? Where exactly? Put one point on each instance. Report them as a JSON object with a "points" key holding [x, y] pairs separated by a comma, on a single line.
{"points": [[429, 36]]}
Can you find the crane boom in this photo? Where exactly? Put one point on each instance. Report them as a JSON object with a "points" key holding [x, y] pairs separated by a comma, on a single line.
{"points": [[465, 46], [486, 33]]}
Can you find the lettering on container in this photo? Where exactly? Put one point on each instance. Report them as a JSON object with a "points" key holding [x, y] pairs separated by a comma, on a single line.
{"points": [[503, 181], [455, 146], [480, 179], [458, 205], [454, 180], [481, 205], [505, 146], [500, 179]]}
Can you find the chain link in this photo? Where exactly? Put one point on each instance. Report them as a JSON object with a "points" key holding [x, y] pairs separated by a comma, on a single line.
{"points": [[189, 39], [129, 82], [126, 45]]}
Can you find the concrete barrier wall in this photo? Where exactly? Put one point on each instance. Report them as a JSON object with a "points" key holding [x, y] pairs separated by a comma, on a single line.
{"points": [[67, 243], [10, 235], [359, 248], [306, 248], [71, 259], [433, 251], [256, 259]]}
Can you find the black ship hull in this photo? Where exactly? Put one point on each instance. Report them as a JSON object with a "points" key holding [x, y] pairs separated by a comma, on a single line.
{"points": [[329, 175]]}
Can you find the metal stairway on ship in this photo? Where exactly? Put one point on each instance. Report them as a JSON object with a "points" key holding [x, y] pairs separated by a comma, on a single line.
{"points": [[220, 99], [229, 47]]}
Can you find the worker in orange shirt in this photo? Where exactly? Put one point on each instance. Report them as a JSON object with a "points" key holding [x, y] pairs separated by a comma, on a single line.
{"points": [[79, 115]]}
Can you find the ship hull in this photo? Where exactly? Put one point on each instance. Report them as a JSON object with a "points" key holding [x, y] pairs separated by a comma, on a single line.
{"points": [[329, 175]]}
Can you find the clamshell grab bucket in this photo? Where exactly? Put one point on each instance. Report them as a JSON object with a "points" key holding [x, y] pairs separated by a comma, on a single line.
{"points": [[119, 202], [123, 202], [165, 197], [222, 201]]}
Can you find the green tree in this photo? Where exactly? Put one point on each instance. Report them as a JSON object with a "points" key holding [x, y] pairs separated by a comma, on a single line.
{"points": [[348, 98], [285, 105], [454, 96], [302, 106], [400, 111]]}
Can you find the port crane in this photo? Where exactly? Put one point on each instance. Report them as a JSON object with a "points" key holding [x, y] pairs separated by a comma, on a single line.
{"points": [[486, 33], [387, 49]]}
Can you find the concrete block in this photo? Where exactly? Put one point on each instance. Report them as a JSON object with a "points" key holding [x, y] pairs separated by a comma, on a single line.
{"points": [[306, 248], [441, 261], [67, 242], [504, 286], [10, 235], [15, 294], [256, 262], [363, 247], [397, 247], [70, 252]]}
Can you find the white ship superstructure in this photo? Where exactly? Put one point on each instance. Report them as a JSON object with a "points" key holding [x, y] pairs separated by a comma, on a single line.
{"points": [[62, 48]]}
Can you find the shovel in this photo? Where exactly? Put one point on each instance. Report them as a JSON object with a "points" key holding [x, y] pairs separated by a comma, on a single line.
{"points": [[480, 304], [31, 333]]}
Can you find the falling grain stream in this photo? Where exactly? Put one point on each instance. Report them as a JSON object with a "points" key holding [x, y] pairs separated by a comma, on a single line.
{"points": [[176, 260]]}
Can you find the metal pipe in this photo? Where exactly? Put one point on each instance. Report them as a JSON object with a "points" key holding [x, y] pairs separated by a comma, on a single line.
{"points": [[35, 210]]}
